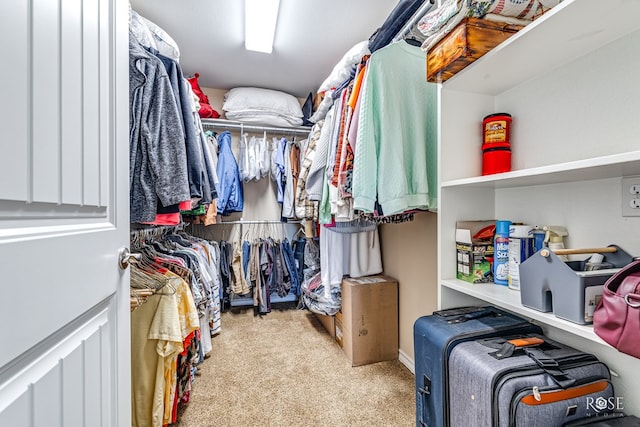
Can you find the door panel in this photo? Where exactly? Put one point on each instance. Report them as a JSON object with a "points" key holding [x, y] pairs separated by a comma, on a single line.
{"points": [[13, 182], [17, 412], [64, 213], [58, 382], [46, 74]]}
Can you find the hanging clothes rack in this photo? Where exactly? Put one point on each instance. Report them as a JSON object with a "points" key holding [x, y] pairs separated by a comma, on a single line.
{"points": [[258, 221], [263, 232], [210, 124], [156, 231], [242, 223]]}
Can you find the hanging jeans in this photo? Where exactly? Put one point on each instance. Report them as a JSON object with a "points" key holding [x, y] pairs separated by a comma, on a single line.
{"points": [[280, 277], [298, 255], [246, 255], [225, 274], [266, 271], [290, 263]]}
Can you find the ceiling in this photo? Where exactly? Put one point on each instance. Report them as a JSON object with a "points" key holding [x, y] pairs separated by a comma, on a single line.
{"points": [[311, 37]]}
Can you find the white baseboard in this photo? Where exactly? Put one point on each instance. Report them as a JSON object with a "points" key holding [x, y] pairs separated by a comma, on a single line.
{"points": [[407, 361]]}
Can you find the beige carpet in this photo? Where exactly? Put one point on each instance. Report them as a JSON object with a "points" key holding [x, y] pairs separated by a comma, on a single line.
{"points": [[283, 369]]}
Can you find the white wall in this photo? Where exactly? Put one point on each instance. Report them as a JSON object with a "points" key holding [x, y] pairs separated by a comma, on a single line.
{"points": [[409, 254]]}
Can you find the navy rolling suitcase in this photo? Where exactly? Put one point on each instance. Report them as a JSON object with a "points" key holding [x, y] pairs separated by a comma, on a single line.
{"points": [[435, 336]]}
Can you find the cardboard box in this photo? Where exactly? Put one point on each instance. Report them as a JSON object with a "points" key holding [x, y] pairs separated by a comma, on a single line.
{"points": [[474, 257], [367, 326], [328, 322], [338, 335]]}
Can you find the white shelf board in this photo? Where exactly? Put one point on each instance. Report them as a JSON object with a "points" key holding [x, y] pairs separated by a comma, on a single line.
{"points": [[508, 299], [612, 166], [568, 31]]}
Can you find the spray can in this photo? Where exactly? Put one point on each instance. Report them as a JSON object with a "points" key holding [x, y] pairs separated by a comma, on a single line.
{"points": [[520, 248], [501, 253]]}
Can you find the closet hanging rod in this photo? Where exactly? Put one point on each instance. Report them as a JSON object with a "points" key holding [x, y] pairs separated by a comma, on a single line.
{"points": [[157, 230], [426, 6], [229, 124], [260, 221]]}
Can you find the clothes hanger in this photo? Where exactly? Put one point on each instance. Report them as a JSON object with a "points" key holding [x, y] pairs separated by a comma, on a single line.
{"points": [[145, 279], [413, 41], [175, 238], [297, 234], [412, 38], [168, 288]]}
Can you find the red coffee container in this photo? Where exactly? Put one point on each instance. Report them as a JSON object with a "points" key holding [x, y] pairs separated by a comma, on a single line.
{"points": [[496, 143]]}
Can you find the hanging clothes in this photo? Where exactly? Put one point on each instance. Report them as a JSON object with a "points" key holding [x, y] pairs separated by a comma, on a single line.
{"points": [[171, 331], [157, 154], [396, 105], [254, 160], [305, 208], [345, 175], [199, 186], [158, 330], [278, 167], [288, 210], [263, 155], [269, 266], [230, 197], [315, 178], [244, 163]]}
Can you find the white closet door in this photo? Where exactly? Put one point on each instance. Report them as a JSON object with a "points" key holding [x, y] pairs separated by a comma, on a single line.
{"points": [[64, 358]]}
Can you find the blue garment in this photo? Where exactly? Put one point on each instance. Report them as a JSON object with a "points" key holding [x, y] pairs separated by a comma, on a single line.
{"points": [[230, 195], [399, 16], [298, 255], [290, 263], [246, 255]]}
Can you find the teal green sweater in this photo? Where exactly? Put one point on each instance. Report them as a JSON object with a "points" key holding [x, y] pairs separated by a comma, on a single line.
{"points": [[396, 148]]}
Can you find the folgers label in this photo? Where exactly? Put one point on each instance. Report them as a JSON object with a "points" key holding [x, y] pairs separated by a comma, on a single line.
{"points": [[497, 130]]}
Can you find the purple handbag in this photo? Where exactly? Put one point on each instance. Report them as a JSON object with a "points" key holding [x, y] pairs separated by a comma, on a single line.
{"points": [[617, 316]]}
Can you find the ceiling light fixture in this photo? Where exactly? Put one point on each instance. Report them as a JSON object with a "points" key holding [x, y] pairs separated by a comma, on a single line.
{"points": [[260, 17]]}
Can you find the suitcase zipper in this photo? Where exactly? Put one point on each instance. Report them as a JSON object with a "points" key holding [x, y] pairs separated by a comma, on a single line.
{"points": [[540, 394], [505, 375]]}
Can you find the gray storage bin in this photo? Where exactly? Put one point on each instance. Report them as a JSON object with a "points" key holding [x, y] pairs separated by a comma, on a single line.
{"points": [[550, 284]]}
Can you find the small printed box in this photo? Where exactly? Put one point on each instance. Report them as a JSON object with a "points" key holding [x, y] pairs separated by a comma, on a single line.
{"points": [[474, 256]]}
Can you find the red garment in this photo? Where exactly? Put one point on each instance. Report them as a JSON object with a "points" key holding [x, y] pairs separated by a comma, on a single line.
{"points": [[166, 219], [206, 111]]}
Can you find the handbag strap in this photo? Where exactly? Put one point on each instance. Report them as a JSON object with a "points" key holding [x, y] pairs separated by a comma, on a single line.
{"points": [[614, 281]]}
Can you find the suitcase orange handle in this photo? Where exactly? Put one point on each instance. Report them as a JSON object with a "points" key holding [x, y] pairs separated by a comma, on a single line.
{"points": [[526, 342], [508, 347]]}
